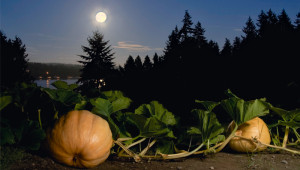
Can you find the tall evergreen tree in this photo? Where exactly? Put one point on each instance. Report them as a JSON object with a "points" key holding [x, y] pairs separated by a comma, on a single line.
{"points": [[249, 30], [284, 22], [236, 44], [199, 35], [97, 63], [129, 65], [227, 49], [14, 65], [138, 63], [297, 22], [262, 23], [171, 51], [147, 64], [186, 29]]}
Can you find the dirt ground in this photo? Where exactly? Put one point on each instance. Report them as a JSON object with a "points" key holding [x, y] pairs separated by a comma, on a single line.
{"points": [[224, 160]]}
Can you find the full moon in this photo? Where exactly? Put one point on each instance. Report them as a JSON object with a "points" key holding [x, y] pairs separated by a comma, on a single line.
{"points": [[101, 17]]}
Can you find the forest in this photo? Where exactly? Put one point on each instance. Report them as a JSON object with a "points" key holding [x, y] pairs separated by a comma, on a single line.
{"points": [[263, 62]]}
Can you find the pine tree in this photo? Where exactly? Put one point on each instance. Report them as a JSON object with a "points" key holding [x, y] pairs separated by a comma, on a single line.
{"points": [[199, 35], [227, 48], [236, 43], [186, 29], [129, 65], [147, 65], [297, 22], [14, 65], [97, 63], [171, 51], [138, 63], [249, 30], [284, 22]]}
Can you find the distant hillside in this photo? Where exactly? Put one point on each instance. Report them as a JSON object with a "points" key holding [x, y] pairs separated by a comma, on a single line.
{"points": [[54, 70]]}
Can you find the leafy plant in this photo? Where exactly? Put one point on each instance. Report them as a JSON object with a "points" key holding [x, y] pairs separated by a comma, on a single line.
{"points": [[289, 119]]}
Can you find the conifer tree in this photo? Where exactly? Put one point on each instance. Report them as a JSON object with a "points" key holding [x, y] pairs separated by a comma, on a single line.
{"points": [[297, 22], [14, 65], [147, 65], [227, 49], [186, 29], [129, 65], [138, 64], [199, 35], [284, 22], [171, 51], [97, 63], [249, 30]]}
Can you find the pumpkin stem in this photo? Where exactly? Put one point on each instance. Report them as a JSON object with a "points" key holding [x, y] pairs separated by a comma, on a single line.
{"points": [[286, 134], [257, 142], [228, 139], [130, 153]]}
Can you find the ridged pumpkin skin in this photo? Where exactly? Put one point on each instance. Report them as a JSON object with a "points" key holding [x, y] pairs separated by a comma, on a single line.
{"points": [[254, 128], [80, 139]]}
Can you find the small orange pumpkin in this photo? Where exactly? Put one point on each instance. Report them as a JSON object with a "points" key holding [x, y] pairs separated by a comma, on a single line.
{"points": [[80, 139], [254, 128]]}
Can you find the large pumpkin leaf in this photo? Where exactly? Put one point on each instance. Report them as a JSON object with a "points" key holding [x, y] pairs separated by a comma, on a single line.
{"points": [[66, 97], [208, 105], [118, 100], [155, 109], [102, 107], [64, 85], [165, 147], [4, 101], [149, 127], [208, 127], [289, 118], [241, 110]]}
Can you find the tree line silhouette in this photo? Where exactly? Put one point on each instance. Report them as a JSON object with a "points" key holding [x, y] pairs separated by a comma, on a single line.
{"points": [[263, 62]]}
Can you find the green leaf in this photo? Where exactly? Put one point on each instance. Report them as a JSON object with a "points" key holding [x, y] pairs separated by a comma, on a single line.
{"points": [[32, 135], [113, 95], [217, 139], [155, 109], [63, 96], [7, 136], [81, 105], [194, 131], [150, 127], [289, 118], [208, 127], [60, 84], [209, 105], [165, 147], [121, 103], [63, 85], [242, 111], [102, 107], [4, 101]]}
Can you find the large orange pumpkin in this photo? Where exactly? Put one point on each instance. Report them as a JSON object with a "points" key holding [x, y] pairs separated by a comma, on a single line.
{"points": [[254, 128], [80, 139]]}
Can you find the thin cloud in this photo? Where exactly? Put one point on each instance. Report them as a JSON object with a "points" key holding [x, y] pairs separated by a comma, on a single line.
{"points": [[238, 29], [131, 46]]}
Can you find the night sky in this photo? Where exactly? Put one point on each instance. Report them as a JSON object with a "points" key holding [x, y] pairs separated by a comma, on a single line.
{"points": [[54, 30]]}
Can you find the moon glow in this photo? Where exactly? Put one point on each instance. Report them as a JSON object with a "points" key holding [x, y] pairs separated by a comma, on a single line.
{"points": [[101, 17]]}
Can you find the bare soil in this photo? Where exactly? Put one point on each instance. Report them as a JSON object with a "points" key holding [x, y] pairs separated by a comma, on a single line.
{"points": [[224, 160]]}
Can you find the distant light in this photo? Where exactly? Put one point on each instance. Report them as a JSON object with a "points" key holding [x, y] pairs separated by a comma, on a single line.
{"points": [[101, 17]]}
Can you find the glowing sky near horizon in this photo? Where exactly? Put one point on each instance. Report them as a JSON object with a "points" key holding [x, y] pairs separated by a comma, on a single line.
{"points": [[55, 30]]}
